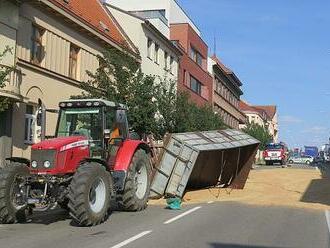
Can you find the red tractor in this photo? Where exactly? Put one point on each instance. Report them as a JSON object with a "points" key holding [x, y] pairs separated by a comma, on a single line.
{"points": [[92, 160]]}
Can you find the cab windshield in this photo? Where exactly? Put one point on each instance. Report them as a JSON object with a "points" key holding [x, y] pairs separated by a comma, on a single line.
{"points": [[274, 146], [81, 122]]}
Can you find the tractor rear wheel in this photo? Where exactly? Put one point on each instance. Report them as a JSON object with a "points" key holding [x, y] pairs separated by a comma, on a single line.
{"points": [[12, 200], [137, 186], [89, 194]]}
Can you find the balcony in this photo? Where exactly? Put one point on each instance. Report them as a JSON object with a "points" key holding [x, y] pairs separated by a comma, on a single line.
{"points": [[12, 84]]}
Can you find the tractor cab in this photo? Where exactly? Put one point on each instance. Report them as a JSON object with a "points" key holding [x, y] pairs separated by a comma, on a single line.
{"points": [[103, 123]]}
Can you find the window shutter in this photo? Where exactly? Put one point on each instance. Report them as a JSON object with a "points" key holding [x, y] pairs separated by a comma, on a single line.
{"points": [[205, 92]]}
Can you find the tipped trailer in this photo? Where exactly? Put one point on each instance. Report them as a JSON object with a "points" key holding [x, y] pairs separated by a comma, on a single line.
{"points": [[204, 159]]}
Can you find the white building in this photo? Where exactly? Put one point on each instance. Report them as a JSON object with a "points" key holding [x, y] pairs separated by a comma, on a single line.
{"points": [[53, 44], [153, 9], [159, 56]]}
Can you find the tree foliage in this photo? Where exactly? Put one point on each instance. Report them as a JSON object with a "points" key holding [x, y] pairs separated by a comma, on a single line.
{"points": [[177, 114], [260, 133], [4, 72], [154, 104], [119, 79]]}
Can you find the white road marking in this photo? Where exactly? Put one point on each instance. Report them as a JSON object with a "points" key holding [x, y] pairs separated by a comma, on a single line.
{"points": [[327, 217], [182, 215], [130, 240], [209, 202]]}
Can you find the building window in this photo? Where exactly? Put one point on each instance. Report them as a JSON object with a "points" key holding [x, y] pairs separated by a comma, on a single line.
{"points": [[73, 61], [196, 56], [171, 65], [165, 60], [195, 85], [149, 44], [37, 50], [156, 57], [30, 123]]}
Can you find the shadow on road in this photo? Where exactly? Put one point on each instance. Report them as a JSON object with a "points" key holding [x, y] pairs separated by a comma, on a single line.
{"points": [[48, 217], [224, 245], [318, 189]]}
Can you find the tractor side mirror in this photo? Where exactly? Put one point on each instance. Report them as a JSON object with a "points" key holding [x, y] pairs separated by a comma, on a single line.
{"points": [[106, 134], [39, 118]]}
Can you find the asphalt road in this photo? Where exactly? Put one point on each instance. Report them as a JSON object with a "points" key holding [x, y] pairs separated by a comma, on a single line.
{"points": [[209, 225]]}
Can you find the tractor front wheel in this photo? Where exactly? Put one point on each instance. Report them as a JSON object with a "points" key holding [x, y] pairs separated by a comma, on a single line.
{"points": [[12, 193], [89, 194], [137, 185]]}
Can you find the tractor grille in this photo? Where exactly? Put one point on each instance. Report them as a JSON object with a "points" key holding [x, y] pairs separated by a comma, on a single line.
{"points": [[40, 156]]}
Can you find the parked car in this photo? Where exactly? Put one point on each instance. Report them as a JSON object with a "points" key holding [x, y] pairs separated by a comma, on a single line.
{"points": [[305, 159]]}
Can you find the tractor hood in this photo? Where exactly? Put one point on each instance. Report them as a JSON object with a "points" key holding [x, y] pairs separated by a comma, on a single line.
{"points": [[61, 143]]}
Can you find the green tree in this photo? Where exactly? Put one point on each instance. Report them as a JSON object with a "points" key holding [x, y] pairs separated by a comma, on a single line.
{"points": [[4, 72], [155, 106], [177, 114], [119, 79], [260, 133]]}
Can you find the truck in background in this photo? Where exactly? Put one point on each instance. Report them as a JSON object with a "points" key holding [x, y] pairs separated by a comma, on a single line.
{"points": [[276, 153], [311, 151]]}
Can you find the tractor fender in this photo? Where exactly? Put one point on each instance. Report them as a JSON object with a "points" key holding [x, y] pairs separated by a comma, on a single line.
{"points": [[19, 160], [95, 160], [126, 152]]}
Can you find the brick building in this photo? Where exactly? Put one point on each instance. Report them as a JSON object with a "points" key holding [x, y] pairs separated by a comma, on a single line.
{"points": [[226, 93], [193, 75]]}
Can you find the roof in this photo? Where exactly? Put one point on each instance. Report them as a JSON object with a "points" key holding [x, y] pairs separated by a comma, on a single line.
{"points": [[93, 14], [269, 109], [227, 70], [147, 24], [221, 65], [245, 107]]}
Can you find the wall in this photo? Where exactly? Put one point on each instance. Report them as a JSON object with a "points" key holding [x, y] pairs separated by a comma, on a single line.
{"points": [[56, 40], [49, 81], [51, 89], [225, 96], [139, 33], [174, 13], [187, 37], [8, 28]]}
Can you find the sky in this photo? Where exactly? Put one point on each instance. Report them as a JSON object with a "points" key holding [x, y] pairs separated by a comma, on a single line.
{"points": [[280, 50]]}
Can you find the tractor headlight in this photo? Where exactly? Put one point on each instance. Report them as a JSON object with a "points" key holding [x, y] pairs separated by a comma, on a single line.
{"points": [[34, 164], [46, 164]]}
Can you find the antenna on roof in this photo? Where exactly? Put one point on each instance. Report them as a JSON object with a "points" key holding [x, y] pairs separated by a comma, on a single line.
{"points": [[214, 44]]}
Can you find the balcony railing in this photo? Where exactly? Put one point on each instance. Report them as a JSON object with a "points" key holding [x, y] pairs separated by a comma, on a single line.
{"points": [[12, 84]]}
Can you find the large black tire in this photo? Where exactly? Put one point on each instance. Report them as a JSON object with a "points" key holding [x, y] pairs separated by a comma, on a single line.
{"points": [[89, 194], [10, 214], [131, 199]]}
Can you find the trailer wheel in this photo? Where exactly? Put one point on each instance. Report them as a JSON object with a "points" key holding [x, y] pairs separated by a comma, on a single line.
{"points": [[89, 194], [137, 186], [12, 198]]}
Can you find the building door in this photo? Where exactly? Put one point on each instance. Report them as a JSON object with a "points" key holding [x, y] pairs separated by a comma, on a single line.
{"points": [[5, 135]]}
